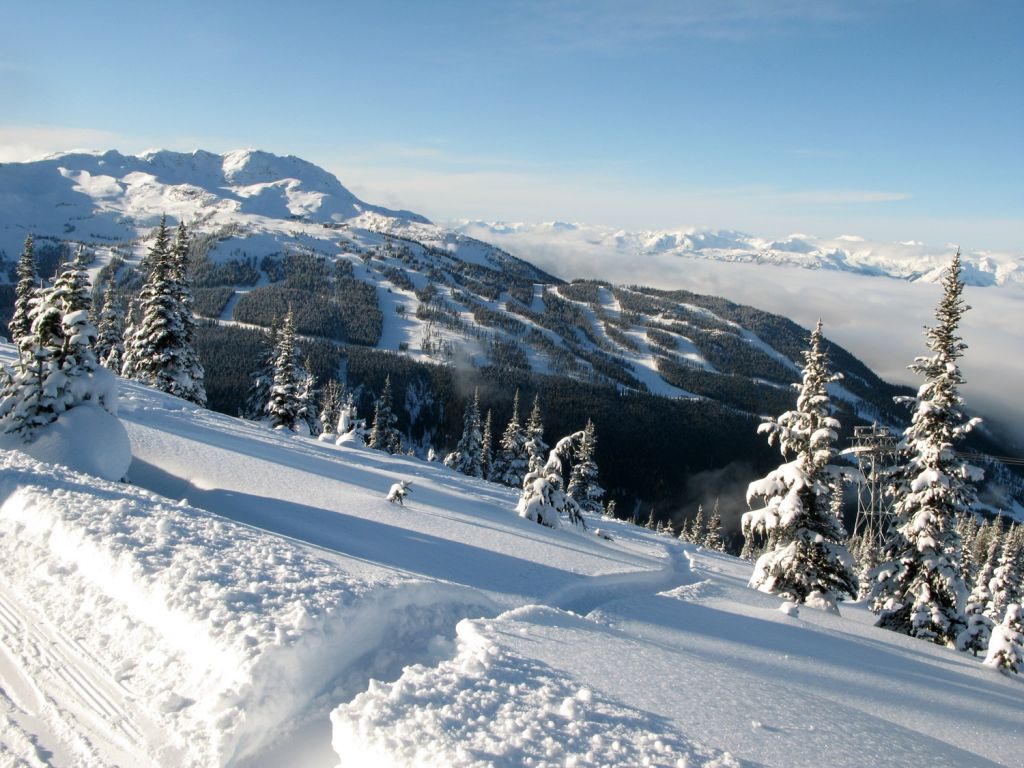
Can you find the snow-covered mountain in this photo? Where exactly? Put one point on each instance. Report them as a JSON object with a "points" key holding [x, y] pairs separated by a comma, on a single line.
{"points": [[910, 260], [250, 599]]}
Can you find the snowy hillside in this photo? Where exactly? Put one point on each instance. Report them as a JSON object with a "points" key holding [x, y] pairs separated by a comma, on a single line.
{"points": [[251, 599], [909, 260], [440, 296]]}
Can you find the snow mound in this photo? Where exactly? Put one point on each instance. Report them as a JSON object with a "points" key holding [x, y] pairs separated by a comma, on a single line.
{"points": [[214, 634], [491, 706], [85, 439]]}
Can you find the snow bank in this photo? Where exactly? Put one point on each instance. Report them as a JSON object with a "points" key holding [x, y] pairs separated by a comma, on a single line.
{"points": [[85, 439], [221, 632], [492, 706]]}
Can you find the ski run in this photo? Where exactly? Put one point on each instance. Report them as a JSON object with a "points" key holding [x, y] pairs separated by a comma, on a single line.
{"points": [[250, 598]]}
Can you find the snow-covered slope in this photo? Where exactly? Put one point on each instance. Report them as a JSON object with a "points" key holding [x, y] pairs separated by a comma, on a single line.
{"points": [[251, 598], [908, 260]]}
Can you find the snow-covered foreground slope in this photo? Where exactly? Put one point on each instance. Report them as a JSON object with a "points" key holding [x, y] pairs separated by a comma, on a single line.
{"points": [[241, 616]]}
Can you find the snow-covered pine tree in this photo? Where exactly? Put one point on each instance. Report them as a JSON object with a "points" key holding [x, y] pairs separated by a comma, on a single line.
{"points": [[32, 400], [254, 407], [988, 530], [542, 499], [805, 560], [156, 346], [191, 383], [967, 529], [25, 291], [1004, 586], [348, 417], [308, 415], [466, 456], [1006, 646], [583, 486], [918, 589], [510, 463], [487, 447], [713, 538], [330, 406], [979, 626], [384, 434], [698, 527], [110, 330], [59, 370], [282, 410], [536, 448]]}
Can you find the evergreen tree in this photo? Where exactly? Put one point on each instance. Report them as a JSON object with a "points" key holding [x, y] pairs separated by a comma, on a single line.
{"points": [[542, 499], [348, 417], [1004, 586], [967, 529], [697, 527], [536, 448], [919, 589], [583, 486], [979, 626], [110, 331], [384, 434], [308, 416], [58, 368], [192, 383], [258, 395], [467, 454], [487, 450], [713, 538], [805, 558], [330, 406], [158, 350], [1006, 646], [283, 404], [510, 463], [25, 291]]}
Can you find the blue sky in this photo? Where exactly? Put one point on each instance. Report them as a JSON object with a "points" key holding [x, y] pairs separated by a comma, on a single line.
{"points": [[893, 120]]}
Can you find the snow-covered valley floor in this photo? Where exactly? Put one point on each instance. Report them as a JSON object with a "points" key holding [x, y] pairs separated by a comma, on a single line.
{"points": [[251, 599]]}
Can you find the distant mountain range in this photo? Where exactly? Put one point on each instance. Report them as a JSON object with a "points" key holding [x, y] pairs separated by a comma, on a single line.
{"points": [[913, 261]]}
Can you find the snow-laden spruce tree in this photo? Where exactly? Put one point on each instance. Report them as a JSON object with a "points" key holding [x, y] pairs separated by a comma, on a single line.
{"points": [[1005, 585], [384, 434], [805, 560], [713, 538], [543, 499], [254, 406], [58, 369], [330, 408], [1006, 646], [308, 413], [192, 384], [583, 486], [536, 448], [158, 351], [918, 587], [510, 462], [466, 456], [283, 402], [979, 626], [487, 446], [698, 526], [25, 291], [110, 331]]}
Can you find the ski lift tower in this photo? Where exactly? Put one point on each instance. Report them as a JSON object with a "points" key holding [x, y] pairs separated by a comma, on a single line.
{"points": [[875, 448]]}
